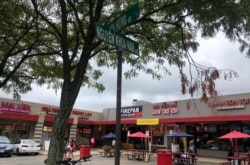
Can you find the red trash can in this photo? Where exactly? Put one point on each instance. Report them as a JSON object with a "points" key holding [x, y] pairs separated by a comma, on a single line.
{"points": [[164, 157], [84, 150]]}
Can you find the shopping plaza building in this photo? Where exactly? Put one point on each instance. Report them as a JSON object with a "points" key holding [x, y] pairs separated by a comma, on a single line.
{"points": [[205, 121]]}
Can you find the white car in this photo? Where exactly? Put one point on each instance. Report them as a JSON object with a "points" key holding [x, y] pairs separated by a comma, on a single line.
{"points": [[26, 146]]}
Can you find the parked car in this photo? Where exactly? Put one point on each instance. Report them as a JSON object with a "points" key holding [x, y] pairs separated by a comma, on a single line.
{"points": [[26, 146], [6, 148]]}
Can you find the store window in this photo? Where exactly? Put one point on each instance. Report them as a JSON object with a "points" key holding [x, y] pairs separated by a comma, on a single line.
{"points": [[84, 132], [14, 132], [158, 134]]}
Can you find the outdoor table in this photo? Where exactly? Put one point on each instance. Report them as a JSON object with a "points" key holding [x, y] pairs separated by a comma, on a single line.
{"points": [[184, 158], [137, 154], [238, 158]]}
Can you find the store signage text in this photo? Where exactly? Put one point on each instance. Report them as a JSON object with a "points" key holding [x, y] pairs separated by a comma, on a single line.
{"points": [[55, 110], [147, 121], [165, 109], [165, 105], [15, 107], [50, 110], [82, 115], [135, 111], [230, 104]]}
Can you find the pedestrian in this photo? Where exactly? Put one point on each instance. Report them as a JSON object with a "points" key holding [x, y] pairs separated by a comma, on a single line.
{"points": [[192, 150], [72, 147], [113, 143], [65, 149], [92, 142], [230, 153], [181, 146]]}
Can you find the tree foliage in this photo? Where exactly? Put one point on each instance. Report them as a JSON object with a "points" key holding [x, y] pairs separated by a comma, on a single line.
{"points": [[53, 42]]}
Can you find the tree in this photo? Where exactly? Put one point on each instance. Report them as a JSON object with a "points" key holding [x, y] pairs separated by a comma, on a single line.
{"points": [[166, 32], [21, 40]]}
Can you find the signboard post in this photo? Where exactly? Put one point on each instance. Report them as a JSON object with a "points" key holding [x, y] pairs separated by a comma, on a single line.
{"points": [[110, 35]]}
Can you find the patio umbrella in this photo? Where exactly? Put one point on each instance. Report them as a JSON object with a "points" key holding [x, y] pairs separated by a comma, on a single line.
{"points": [[109, 135], [139, 134], [235, 135], [179, 134]]}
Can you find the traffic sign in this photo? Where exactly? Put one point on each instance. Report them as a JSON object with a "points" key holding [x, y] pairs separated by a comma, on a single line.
{"points": [[106, 34], [127, 17]]}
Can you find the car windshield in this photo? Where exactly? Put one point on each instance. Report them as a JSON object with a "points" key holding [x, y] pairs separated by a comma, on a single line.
{"points": [[4, 139], [29, 141]]}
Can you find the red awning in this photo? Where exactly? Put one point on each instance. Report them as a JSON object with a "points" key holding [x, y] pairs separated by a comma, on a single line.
{"points": [[52, 118], [108, 122], [19, 116]]}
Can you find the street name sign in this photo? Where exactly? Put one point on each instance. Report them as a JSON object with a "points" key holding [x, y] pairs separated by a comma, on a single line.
{"points": [[106, 34], [127, 17]]}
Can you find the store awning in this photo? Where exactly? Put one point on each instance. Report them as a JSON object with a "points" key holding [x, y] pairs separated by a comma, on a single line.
{"points": [[19, 116]]}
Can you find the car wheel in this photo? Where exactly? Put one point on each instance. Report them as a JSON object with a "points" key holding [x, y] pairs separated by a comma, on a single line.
{"points": [[36, 153], [17, 152]]}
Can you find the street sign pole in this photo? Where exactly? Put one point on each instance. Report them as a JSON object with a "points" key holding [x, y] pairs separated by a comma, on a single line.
{"points": [[110, 35], [118, 107]]}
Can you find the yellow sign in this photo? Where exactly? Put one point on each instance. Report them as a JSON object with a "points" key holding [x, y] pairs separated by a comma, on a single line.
{"points": [[147, 121]]}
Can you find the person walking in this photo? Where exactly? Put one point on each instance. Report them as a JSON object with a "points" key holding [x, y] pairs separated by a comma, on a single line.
{"points": [[92, 142], [65, 149], [72, 147], [113, 143], [192, 150]]}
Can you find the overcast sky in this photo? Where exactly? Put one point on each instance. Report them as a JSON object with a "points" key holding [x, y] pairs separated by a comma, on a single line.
{"points": [[217, 52]]}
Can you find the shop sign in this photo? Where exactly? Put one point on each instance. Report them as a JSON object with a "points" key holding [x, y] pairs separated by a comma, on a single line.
{"points": [[84, 130], [15, 107], [135, 111], [230, 104], [165, 111], [165, 108], [165, 105], [147, 121], [82, 114], [50, 110]]}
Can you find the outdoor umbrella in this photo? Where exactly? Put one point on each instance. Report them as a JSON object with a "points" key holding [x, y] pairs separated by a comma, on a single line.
{"points": [[235, 135], [179, 134], [109, 135], [139, 135]]}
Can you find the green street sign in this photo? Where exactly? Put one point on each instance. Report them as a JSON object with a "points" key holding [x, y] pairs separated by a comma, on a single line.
{"points": [[127, 17], [105, 34]]}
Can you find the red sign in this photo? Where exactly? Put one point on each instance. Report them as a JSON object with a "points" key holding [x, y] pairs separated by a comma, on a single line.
{"points": [[165, 105], [167, 111], [230, 104], [82, 113], [15, 107], [50, 110]]}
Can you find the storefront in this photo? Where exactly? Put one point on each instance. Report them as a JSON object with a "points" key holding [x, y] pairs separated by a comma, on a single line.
{"points": [[205, 121], [33, 120]]}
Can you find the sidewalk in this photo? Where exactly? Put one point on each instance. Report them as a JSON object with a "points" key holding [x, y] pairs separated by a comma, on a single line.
{"points": [[94, 152]]}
